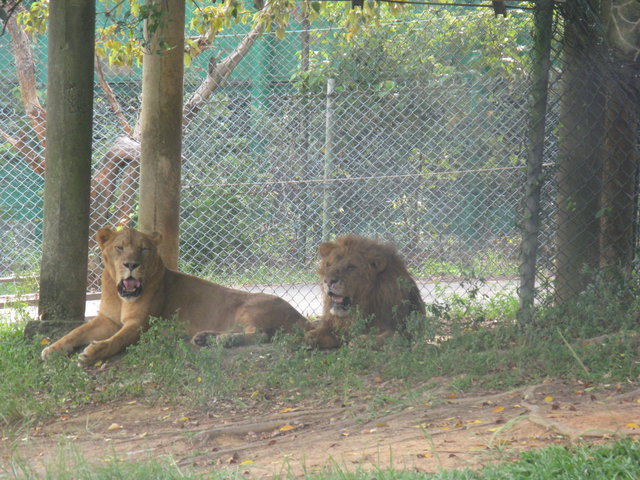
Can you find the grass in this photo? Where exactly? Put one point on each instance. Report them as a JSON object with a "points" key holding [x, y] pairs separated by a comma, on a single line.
{"points": [[595, 341], [619, 460], [476, 356]]}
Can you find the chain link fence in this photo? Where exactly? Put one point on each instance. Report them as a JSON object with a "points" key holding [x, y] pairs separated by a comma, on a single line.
{"points": [[416, 132]]}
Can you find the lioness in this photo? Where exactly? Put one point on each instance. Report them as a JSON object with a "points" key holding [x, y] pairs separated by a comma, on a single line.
{"points": [[365, 278], [136, 285]]}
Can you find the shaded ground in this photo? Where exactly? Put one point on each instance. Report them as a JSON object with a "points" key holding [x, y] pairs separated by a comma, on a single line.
{"points": [[441, 431]]}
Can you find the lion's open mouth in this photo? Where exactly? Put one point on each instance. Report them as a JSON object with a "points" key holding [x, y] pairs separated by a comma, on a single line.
{"points": [[130, 288], [339, 304]]}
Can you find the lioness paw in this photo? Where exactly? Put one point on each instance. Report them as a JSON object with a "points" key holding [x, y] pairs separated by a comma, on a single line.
{"points": [[47, 353], [94, 352]]}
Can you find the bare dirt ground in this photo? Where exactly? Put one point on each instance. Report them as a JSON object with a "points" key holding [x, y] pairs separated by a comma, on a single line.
{"points": [[445, 431]]}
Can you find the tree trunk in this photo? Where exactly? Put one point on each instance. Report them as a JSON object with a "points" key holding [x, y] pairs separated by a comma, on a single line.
{"points": [[63, 269], [579, 170], [161, 127]]}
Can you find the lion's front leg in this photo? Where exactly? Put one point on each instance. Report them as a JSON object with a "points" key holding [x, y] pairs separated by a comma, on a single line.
{"points": [[99, 350], [97, 329]]}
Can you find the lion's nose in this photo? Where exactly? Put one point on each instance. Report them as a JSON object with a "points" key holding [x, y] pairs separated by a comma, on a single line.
{"points": [[131, 266]]}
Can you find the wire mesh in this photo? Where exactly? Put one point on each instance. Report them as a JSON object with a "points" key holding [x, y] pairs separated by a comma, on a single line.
{"points": [[422, 141]]}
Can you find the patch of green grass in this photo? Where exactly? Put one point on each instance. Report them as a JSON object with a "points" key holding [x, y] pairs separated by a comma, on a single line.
{"points": [[72, 465], [30, 388], [619, 460], [163, 366], [470, 349]]}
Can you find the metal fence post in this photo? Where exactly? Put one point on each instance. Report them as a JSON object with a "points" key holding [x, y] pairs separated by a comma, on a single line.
{"points": [[539, 92], [328, 158]]}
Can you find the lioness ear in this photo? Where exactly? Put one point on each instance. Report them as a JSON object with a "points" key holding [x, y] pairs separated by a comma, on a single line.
{"points": [[325, 248], [103, 236], [156, 237]]}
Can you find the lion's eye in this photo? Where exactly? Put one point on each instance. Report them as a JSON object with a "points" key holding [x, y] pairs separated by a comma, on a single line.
{"points": [[119, 248]]}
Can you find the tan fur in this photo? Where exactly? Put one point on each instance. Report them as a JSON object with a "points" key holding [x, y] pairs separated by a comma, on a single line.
{"points": [[131, 260], [362, 277]]}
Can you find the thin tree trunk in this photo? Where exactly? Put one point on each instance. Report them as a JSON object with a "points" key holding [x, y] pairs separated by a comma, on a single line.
{"points": [[539, 94]]}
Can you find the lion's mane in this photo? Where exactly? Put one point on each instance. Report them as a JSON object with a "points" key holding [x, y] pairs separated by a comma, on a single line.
{"points": [[363, 278]]}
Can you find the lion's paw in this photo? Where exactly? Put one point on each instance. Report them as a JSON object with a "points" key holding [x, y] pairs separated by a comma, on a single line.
{"points": [[204, 339], [321, 338]]}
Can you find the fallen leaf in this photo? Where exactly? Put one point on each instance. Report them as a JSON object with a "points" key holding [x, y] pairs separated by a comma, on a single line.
{"points": [[45, 341], [287, 410], [382, 425], [452, 395], [474, 422], [183, 419], [548, 399], [425, 455], [286, 428], [246, 462], [199, 379], [632, 426], [114, 426], [497, 409]]}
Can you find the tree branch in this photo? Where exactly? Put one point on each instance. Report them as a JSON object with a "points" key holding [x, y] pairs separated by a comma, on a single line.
{"points": [[111, 98], [26, 71], [219, 74]]}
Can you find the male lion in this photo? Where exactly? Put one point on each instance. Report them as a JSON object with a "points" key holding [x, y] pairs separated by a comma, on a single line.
{"points": [[136, 285], [367, 279]]}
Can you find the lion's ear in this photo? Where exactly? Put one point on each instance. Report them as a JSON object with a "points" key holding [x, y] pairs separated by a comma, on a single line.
{"points": [[103, 235], [379, 262], [156, 237], [325, 248]]}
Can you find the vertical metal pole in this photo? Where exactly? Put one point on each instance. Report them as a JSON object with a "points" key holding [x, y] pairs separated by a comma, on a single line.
{"points": [[539, 92], [328, 159]]}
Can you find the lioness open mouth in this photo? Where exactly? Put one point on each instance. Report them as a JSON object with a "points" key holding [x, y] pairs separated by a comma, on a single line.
{"points": [[130, 288], [339, 303]]}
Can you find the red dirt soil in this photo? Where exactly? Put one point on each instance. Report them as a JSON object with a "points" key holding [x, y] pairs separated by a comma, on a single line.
{"points": [[447, 431]]}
